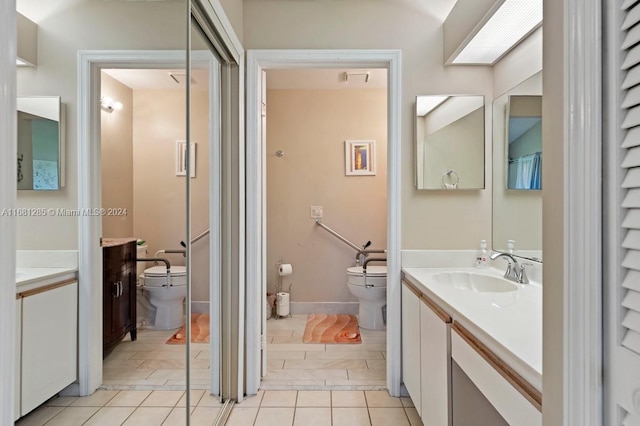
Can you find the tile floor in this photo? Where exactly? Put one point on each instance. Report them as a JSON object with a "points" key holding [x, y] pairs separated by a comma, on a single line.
{"points": [[296, 365], [150, 364]]}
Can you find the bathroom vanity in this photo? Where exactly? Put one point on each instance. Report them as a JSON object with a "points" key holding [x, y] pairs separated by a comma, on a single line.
{"points": [[46, 334], [476, 341], [119, 291]]}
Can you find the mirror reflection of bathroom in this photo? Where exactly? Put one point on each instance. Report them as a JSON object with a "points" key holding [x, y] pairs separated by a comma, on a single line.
{"points": [[326, 181], [143, 192], [524, 130]]}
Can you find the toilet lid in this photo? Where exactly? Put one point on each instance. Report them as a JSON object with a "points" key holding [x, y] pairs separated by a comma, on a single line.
{"points": [[372, 271], [161, 271]]}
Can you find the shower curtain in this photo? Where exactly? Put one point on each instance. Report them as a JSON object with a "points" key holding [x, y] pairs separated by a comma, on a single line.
{"points": [[526, 171]]}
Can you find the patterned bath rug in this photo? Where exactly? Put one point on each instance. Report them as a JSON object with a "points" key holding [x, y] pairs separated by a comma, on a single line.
{"points": [[332, 328], [199, 331]]}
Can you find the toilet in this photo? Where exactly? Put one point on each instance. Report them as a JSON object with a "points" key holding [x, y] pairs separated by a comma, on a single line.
{"points": [[166, 294], [371, 291]]}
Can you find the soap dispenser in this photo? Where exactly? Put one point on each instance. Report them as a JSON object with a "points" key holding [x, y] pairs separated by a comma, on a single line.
{"points": [[511, 244], [482, 257]]}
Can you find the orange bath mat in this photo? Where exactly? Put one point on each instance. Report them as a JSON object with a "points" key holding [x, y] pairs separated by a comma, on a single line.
{"points": [[199, 331], [322, 328]]}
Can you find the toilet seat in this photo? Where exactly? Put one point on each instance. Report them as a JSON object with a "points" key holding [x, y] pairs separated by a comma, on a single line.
{"points": [[156, 276], [376, 276]]}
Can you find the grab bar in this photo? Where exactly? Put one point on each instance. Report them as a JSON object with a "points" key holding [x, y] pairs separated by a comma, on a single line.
{"points": [[338, 236], [196, 239]]}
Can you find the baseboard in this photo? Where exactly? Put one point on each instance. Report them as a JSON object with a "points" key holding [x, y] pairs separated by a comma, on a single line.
{"points": [[199, 307], [324, 308]]}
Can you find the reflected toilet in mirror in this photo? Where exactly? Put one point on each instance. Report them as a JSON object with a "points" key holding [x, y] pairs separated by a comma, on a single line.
{"points": [[449, 134]]}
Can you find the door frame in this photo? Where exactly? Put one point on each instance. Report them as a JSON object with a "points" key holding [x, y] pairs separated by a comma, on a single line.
{"points": [[257, 61], [90, 64]]}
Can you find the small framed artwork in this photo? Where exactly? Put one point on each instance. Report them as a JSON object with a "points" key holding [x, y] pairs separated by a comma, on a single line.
{"points": [[181, 158], [360, 158]]}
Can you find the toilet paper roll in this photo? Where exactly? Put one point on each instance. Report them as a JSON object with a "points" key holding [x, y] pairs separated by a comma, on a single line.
{"points": [[282, 304], [285, 269]]}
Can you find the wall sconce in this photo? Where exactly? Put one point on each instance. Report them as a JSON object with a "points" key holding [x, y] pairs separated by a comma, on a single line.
{"points": [[481, 32], [109, 104]]}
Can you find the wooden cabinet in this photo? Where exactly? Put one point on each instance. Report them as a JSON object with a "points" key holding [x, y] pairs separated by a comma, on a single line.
{"points": [[49, 346], [119, 294]]}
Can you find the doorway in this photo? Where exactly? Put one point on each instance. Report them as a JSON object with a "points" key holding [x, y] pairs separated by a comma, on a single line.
{"points": [[257, 62]]}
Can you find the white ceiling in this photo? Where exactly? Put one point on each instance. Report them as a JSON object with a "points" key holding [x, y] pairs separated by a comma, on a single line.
{"points": [[158, 79], [326, 79]]}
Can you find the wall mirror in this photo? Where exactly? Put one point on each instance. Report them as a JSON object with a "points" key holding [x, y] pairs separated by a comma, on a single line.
{"points": [[517, 214], [40, 143], [450, 136]]}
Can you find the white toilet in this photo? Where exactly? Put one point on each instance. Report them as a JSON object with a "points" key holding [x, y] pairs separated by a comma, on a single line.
{"points": [[166, 294], [371, 291]]}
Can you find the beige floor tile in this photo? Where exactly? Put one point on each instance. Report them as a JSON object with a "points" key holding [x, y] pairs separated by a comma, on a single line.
{"points": [[377, 364], [195, 396], [343, 355], [297, 347], [148, 416], [381, 399], [208, 400], [127, 398], [40, 416], [370, 347], [314, 399], [368, 374], [97, 399], [200, 347], [203, 355], [288, 355], [162, 399], [312, 416], [286, 339], [177, 417], [275, 416], [115, 355], [61, 401], [110, 416], [414, 417], [73, 416], [279, 333], [253, 400], [242, 416], [174, 364], [351, 417], [131, 364], [324, 364], [275, 364], [293, 384], [388, 416], [179, 374], [279, 399], [307, 374], [348, 399], [406, 401], [126, 374], [132, 383], [145, 347], [204, 416], [159, 355], [195, 383], [370, 384]]}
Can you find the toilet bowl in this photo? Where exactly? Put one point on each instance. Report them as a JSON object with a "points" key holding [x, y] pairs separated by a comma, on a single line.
{"points": [[371, 291], [166, 294]]}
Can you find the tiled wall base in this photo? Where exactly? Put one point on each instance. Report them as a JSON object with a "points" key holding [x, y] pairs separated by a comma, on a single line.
{"points": [[324, 308]]}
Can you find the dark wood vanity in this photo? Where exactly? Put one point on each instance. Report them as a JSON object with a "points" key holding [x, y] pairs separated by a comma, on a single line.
{"points": [[119, 291]]}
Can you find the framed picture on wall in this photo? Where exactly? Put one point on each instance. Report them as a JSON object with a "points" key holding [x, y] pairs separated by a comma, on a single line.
{"points": [[360, 158], [181, 158]]}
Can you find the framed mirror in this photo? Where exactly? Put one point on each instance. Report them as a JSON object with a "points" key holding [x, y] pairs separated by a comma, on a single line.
{"points": [[450, 137], [517, 214], [40, 143]]}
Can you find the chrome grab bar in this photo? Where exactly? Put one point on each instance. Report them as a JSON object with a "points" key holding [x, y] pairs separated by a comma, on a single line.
{"points": [[338, 236], [196, 239]]}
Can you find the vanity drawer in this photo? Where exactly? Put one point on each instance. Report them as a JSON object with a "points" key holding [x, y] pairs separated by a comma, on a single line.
{"points": [[515, 399]]}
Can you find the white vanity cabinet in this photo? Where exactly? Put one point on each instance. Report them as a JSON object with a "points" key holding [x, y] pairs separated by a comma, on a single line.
{"points": [[49, 343], [426, 360], [16, 360]]}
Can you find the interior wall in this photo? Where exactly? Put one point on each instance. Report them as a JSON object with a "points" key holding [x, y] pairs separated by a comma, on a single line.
{"points": [[159, 199], [64, 27], [430, 219], [116, 159], [310, 127]]}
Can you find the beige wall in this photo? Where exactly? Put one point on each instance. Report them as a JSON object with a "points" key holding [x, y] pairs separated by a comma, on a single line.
{"points": [[64, 27], [116, 159], [310, 127], [159, 195], [430, 220], [233, 10]]}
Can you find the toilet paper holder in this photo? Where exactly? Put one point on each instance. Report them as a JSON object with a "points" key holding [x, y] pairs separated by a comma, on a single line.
{"points": [[284, 270]]}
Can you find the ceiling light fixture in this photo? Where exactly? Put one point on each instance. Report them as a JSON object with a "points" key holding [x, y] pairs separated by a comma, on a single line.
{"points": [[109, 104], [480, 32]]}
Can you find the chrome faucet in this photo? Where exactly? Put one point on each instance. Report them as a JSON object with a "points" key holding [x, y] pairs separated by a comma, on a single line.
{"points": [[514, 272]]}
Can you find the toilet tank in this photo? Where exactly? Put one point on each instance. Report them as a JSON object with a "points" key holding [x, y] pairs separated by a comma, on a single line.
{"points": [[141, 252]]}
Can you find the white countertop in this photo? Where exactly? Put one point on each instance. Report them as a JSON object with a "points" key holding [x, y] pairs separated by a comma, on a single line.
{"points": [[32, 278], [509, 323]]}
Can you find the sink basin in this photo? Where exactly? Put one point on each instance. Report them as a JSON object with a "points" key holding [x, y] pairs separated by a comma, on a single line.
{"points": [[479, 283]]}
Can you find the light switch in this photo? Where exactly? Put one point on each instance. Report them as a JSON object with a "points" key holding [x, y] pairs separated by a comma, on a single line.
{"points": [[316, 212]]}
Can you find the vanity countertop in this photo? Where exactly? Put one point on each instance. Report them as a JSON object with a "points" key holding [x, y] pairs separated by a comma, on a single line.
{"points": [[509, 323], [111, 242], [32, 278]]}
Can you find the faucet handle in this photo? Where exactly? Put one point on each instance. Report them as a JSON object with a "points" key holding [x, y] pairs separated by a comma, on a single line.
{"points": [[522, 275]]}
